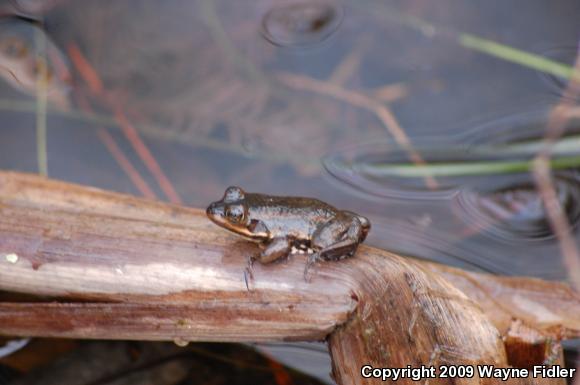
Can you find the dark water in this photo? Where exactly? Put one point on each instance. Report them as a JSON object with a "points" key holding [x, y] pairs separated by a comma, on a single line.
{"points": [[303, 98]]}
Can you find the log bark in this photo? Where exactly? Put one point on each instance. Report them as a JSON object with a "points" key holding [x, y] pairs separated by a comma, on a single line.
{"points": [[127, 268], [107, 265], [551, 308]]}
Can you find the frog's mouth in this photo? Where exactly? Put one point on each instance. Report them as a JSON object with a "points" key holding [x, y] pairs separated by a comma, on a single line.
{"points": [[216, 213]]}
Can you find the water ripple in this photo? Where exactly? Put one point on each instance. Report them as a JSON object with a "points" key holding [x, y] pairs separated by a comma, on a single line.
{"points": [[516, 212], [302, 24]]}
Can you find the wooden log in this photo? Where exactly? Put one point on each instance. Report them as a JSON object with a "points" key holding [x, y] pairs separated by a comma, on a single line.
{"points": [[145, 270], [119, 267], [552, 308]]}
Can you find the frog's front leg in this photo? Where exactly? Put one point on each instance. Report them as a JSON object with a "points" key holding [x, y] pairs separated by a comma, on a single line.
{"points": [[276, 249], [259, 230]]}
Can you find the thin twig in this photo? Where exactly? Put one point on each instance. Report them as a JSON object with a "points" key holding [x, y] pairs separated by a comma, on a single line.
{"points": [[156, 133], [556, 127], [469, 41], [212, 21], [95, 84], [358, 99], [125, 164], [147, 157], [391, 92], [117, 154], [86, 70], [41, 102], [350, 64]]}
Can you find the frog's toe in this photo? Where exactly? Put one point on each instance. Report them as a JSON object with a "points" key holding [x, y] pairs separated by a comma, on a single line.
{"points": [[250, 260], [247, 273], [249, 270], [312, 258]]}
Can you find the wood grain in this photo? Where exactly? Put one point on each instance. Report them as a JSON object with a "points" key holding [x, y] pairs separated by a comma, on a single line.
{"points": [[110, 266]]}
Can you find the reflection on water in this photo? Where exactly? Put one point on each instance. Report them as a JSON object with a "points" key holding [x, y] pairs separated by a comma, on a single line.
{"points": [[485, 180], [517, 213], [370, 168], [24, 49], [312, 358], [34, 7], [219, 99], [12, 346], [409, 238]]}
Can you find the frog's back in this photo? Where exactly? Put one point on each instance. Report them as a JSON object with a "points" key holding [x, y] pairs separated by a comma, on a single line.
{"points": [[297, 216]]}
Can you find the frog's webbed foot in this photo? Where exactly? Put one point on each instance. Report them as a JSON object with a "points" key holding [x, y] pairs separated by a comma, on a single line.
{"points": [[339, 250], [249, 270], [312, 259]]}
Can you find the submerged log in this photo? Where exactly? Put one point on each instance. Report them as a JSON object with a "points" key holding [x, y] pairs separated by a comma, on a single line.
{"points": [[110, 266]]}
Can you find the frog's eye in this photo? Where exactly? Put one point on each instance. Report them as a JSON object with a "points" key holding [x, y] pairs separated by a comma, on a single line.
{"points": [[233, 194], [235, 213]]}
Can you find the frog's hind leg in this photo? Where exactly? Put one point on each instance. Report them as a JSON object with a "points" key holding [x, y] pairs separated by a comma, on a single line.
{"points": [[364, 222], [338, 239]]}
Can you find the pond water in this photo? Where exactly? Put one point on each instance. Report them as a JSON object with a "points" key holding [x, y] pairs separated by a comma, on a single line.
{"points": [[346, 101]]}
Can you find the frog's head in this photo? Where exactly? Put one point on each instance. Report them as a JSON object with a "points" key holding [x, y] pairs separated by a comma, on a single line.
{"points": [[231, 211]]}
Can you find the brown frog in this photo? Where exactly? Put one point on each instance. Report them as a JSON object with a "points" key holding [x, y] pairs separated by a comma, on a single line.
{"points": [[279, 223]]}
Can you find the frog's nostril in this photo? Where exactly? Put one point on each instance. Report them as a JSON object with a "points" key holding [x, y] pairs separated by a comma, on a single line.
{"points": [[210, 209], [215, 210]]}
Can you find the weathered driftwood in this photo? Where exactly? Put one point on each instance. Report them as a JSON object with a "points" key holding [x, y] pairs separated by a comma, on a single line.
{"points": [[552, 308], [118, 267]]}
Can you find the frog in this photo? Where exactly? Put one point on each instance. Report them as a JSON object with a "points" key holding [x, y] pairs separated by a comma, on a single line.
{"points": [[280, 223]]}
